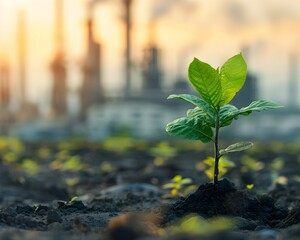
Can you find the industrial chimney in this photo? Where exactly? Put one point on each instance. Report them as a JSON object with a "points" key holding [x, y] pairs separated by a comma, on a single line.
{"points": [[4, 84], [293, 81], [22, 57], [127, 8], [59, 88], [91, 90]]}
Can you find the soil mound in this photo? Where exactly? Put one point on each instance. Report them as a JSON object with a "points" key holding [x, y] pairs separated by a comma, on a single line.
{"points": [[225, 200]]}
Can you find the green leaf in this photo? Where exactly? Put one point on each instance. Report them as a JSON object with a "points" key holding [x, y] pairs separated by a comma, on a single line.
{"points": [[198, 102], [237, 147], [228, 112], [190, 128], [232, 76], [186, 181], [169, 185], [205, 79], [199, 114], [260, 106]]}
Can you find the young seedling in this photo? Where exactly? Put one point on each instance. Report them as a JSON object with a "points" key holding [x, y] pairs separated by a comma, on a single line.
{"points": [[179, 186], [217, 87]]}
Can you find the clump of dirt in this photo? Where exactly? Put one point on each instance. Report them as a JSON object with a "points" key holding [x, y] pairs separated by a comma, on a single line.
{"points": [[225, 200]]}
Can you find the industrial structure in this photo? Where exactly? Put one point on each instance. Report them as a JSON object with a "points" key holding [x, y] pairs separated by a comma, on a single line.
{"points": [[127, 18], [91, 92], [143, 113], [293, 81], [152, 74], [6, 117], [248, 93], [22, 56], [4, 84], [59, 86]]}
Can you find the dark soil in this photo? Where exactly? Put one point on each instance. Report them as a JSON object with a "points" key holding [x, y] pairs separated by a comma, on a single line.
{"points": [[120, 194], [225, 200]]}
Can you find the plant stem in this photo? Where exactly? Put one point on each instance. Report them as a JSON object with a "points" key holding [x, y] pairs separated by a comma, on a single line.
{"points": [[217, 155]]}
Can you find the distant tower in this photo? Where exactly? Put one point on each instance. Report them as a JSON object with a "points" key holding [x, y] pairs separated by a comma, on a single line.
{"points": [[151, 63], [152, 73], [59, 89], [22, 57], [91, 90], [248, 93], [6, 116], [4, 84], [293, 85], [127, 8]]}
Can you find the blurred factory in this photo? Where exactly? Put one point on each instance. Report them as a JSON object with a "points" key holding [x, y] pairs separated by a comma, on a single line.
{"points": [[143, 113]]}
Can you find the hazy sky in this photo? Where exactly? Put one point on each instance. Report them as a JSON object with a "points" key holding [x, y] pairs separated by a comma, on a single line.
{"points": [[210, 30]]}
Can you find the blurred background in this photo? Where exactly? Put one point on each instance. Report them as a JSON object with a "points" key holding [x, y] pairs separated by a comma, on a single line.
{"points": [[97, 68]]}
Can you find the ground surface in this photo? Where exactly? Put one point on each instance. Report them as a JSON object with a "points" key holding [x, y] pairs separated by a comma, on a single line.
{"points": [[118, 184]]}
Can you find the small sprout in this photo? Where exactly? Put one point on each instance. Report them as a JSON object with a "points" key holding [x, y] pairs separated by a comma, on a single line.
{"points": [[73, 199], [30, 167], [162, 152], [73, 164], [120, 145], [250, 186], [277, 164], [67, 203], [71, 182], [177, 186], [10, 158], [276, 179], [211, 112], [224, 165], [198, 226], [44, 153], [282, 180], [251, 164], [106, 167], [297, 179]]}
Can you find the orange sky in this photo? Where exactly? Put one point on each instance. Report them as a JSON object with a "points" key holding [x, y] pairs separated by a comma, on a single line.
{"points": [[210, 30]]}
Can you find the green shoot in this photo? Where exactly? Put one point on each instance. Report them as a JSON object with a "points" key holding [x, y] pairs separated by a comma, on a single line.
{"points": [[211, 112], [179, 186], [224, 165]]}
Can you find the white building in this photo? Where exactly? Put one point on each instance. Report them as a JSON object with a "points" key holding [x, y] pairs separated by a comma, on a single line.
{"points": [[143, 119]]}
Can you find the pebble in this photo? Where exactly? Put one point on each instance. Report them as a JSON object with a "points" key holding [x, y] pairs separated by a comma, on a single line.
{"points": [[52, 217], [142, 189], [292, 233], [266, 234]]}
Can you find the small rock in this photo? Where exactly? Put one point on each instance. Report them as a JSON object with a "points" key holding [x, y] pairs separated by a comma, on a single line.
{"points": [[245, 224], [140, 189], [27, 222], [132, 226], [78, 205], [41, 210], [292, 233], [53, 217], [55, 227], [24, 209], [267, 201], [266, 234]]}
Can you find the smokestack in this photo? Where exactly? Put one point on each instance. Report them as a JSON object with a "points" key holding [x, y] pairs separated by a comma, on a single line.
{"points": [[22, 56], [91, 90], [4, 83], [151, 63], [293, 82], [59, 25], [59, 89], [127, 6]]}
